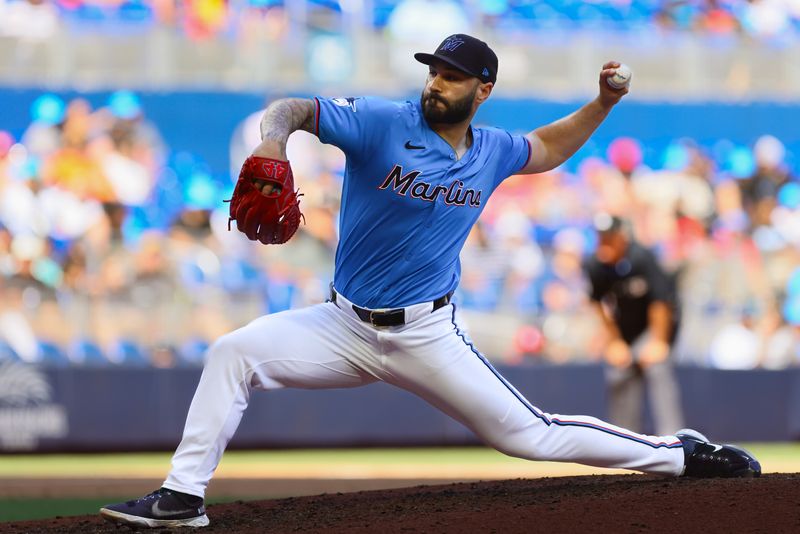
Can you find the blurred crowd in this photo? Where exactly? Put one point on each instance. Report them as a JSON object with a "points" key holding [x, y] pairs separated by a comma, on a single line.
{"points": [[115, 249], [725, 220], [205, 19]]}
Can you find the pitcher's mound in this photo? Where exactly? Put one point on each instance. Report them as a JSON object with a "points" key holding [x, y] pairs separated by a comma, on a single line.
{"points": [[627, 503]]}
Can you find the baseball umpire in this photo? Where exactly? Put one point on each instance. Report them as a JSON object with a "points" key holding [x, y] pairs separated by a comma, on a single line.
{"points": [[418, 175], [636, 300]]}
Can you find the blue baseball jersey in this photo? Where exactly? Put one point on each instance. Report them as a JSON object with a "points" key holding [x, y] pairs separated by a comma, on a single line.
{"points": [[408, 203]]}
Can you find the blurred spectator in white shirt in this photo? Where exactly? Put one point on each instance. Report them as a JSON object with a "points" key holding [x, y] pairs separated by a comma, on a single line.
{"points": [[736, 345], [31, 20]]}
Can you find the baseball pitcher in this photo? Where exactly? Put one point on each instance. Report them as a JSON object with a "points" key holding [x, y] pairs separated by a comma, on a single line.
{"points": [[418, 176]]}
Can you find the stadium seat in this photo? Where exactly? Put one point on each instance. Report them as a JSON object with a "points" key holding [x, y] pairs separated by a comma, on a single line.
{"points": [[86, 352], [239, 276], [51, 355], [279, 295], [192, 352], [128, 353], [7, 353]]}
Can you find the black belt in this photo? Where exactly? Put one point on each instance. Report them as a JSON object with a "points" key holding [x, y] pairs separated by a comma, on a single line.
{"points": [[395, 317]]}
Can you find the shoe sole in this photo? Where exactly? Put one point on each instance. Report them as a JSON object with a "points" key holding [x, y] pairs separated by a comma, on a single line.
{"points": [[143, 522]]}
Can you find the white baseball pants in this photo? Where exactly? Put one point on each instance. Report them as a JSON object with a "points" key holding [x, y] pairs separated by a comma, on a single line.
{"points": [[328, 346]]}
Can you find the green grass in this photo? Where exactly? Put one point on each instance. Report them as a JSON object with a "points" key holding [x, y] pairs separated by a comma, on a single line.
{"points": [[775, 452], [28, 509], [105, 464], [23, 509], [774, 456], [75, 464], [108, 464]]}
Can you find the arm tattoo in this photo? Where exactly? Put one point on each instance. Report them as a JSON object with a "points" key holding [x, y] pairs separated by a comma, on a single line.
{"points": [[285, 116]]}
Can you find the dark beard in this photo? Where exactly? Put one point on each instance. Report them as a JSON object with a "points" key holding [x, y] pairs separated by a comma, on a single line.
{"points": [[453, 112]]}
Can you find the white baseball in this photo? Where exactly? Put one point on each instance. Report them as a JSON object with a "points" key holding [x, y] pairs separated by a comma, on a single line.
{"points": [[621, 78]]}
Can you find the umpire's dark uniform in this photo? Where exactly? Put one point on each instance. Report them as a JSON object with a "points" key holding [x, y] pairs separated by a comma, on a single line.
{"points": [[625, 284]]}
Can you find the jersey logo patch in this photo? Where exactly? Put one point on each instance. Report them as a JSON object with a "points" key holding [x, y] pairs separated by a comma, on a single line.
{"points": [[413, 147], [346, 102], [453, 195]]}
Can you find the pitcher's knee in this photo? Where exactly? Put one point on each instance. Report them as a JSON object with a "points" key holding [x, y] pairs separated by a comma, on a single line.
{"points": [[224, 352], [518, 446]]}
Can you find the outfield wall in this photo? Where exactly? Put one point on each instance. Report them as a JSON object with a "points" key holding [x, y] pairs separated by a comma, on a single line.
{"points": [[101, 409]]}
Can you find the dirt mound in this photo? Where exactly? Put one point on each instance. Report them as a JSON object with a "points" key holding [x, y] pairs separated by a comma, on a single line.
{"points": [[628, 503]]}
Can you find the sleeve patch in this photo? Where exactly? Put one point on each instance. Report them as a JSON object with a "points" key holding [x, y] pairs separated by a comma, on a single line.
{"points": [[345, 102]]}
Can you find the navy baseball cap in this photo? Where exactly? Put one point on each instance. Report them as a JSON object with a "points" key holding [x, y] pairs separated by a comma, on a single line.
{"points": [[467, 54]]}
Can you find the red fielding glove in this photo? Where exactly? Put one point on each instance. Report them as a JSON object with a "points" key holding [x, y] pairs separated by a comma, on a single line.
{"points": [[264, 204]]}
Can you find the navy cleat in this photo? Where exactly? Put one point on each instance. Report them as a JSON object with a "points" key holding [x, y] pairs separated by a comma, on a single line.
{"points": [[160, 509], [703, 459]]}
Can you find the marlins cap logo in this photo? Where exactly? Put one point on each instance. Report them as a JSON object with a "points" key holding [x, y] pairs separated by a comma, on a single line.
{"points": [[450, 45]]}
